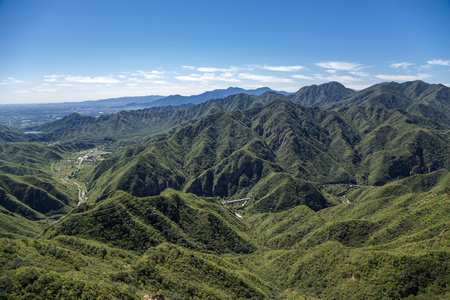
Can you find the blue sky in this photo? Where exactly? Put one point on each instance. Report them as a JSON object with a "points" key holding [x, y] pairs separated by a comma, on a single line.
{"points": [[67, 50]]}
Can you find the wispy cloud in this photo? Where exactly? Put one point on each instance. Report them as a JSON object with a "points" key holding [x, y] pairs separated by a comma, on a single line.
{"points": [[227, 77], [299, 76], [195, 77], [11, 81], [264, 78], [362, 74], [215, 70], [402, 65], [189, 67], [53, 78], [439, 62], [79, 79], [343, 78], [341, 66], [148, 74], [420, 76], [283, 68], [87, 79]]}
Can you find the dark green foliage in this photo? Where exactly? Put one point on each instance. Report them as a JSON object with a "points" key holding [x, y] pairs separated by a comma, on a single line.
{"points": [[138, 236], [139, 223], [281, 191], [232, 154], [31, 195], [10, 134], [415, 97], [131, 127], [28, 190], [321, 95]]}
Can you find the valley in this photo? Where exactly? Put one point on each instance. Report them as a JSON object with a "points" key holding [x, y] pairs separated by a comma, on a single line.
{"points": [[326, 193]]}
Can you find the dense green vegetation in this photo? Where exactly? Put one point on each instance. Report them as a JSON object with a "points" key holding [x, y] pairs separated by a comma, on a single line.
{"points": [[416, 97], [233, 154], [30, 195], [390, 242], [347, 203]]}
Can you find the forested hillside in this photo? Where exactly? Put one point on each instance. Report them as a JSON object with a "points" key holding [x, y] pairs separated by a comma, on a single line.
{"points": [[341, 195]]}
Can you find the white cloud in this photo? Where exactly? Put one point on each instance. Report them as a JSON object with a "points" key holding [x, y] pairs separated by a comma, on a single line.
{"points": [[439, 62], [231, 69], [362, 74], [264, 78], [192, 77], [343, 78], [189, 67], [53, 78], [403, 65], [298, 76], [87, 79], [283, 68], [148, 74], [420, 76], [138, 80], [227, 77], [340, 65], [67, 84], [11, 81], [160, 82], [210, 70], [331, 71], [79, 79]]}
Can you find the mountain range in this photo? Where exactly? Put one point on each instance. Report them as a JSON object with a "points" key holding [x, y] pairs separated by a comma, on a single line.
{"points": [[343, 195], [175, 100]]}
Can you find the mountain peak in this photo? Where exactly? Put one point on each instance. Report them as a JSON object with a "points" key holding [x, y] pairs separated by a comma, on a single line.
{"points": [[321, 95]]}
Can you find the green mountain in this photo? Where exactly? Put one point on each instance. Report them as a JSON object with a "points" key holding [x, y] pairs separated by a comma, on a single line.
{"points": [[10, 134], [321, 95], [137, 126], [345, 203], [30, 196], [415, 97], [215, 94], [271, 150], [220, 155], [175, 217], [132, 127], [387, 243]]}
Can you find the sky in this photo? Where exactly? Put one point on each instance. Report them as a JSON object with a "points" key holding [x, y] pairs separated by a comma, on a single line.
{"points": [[76, 50]]}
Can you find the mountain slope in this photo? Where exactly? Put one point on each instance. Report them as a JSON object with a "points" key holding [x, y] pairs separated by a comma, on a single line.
{"points": [[172, 216], [135, 126], [29, 193], [220, 155], [215, 94], [416, 97], [389, 242], [10, 134], [321, 95], [270, 151]]}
